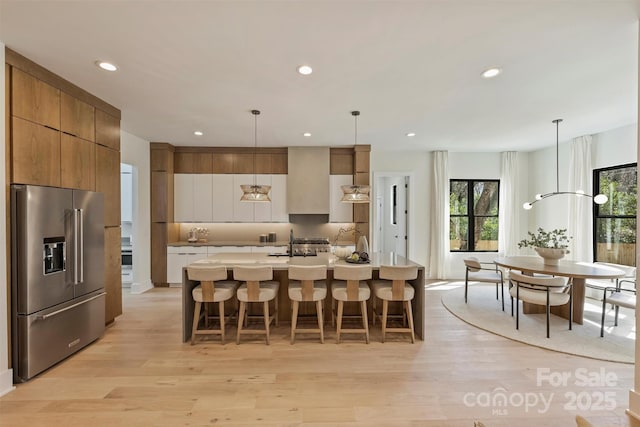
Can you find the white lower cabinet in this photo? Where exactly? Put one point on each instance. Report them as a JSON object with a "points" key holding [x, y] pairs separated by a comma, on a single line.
{"points": [[228, 249], [181, 256]]}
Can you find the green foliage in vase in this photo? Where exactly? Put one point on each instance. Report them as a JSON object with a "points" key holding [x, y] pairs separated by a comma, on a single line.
{"points": [[557, 239]]}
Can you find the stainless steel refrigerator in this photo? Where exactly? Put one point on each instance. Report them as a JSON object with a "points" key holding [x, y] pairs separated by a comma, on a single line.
{"points": [[57, 275]]}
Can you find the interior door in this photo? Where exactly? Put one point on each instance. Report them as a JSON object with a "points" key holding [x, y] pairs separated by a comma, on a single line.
{"points": [[394, 215]]}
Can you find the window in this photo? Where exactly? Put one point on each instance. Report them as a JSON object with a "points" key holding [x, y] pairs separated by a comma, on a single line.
{"points": [[473, 211], [615, 221]]}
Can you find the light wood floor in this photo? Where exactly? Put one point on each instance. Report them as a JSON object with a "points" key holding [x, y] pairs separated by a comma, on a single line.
{"points": [[141, 374]]}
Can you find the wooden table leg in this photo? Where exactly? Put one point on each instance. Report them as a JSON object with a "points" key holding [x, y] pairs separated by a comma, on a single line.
{"points": [[563, 310]]}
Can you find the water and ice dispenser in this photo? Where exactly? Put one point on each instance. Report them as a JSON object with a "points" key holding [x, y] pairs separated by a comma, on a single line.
{"points": [[54, 255]]}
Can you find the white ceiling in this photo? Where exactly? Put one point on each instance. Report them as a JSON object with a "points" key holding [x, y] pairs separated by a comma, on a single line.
{"points": [[408, 66]]}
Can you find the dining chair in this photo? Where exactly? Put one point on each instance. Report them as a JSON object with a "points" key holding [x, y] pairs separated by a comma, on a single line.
{"points": [[214, 287], [547, 291], [618, 297], [475, 272]]}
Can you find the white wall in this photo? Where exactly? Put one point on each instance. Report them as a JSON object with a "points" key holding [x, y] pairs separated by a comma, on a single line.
{"points": [[6, 374], [416, 164], [615, 147], [136, 152]]}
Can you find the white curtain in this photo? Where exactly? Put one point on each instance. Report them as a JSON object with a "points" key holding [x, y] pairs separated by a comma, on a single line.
{"points": [[509, 214], [439, 245], [580, 213]]}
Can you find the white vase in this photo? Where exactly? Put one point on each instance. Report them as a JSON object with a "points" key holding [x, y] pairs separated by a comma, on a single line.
{"points": [[551, 256]]}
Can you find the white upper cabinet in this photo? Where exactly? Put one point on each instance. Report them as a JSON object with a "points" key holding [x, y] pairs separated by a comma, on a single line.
{"points": [[222, 198], [279, 212], [202, 198], [339, 211], [183, 197], [262, 210], [242, 211]]}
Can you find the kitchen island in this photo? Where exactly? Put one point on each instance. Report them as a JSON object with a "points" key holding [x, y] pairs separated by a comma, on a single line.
{"points": [[280, 265]]}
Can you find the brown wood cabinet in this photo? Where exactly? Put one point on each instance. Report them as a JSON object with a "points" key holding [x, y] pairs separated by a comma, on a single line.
{"points": [[35, 154], [77, 118], [161, 193], [223, 162], [34, 100], [193, 162], [77, 163], [112, 273], [108, 182], [107, 130]]}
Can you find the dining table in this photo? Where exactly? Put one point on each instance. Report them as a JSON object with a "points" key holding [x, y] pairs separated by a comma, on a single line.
{"points": [[576, 271]]}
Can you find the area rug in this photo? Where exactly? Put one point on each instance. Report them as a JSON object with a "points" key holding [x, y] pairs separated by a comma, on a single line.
{"points": [[485, 312]]}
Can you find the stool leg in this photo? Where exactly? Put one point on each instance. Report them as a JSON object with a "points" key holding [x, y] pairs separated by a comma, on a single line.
{"points": [[373, 309], [276, 313], [196, 318], [320, 320], [365, 320], [266, 320], [339, 321], [221, 310], [409, 312], [294, 320], [240, 320], [333, 312], [385, 313]]}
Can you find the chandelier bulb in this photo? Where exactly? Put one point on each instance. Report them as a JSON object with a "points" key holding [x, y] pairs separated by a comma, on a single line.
{"points": [[600, 199], [527, 206]]}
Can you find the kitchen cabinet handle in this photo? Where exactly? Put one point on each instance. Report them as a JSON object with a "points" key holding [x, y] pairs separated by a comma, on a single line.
{"points": [[55, 313]]}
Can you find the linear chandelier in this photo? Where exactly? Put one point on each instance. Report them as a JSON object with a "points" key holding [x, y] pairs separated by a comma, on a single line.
{"points": [[599, 199], [355, 193], [254, 192]]}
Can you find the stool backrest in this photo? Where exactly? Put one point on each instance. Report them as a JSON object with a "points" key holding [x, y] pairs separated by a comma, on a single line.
{"points": [[306, 274], [353, 275], [253, 275], [398, 274], [207, 275]]}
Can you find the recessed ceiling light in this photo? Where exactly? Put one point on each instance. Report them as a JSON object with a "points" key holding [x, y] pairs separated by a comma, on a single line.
{"points": [[198, 133], [411, 134], [491, 72], [306, 134], [106, 66], [305, 70]]}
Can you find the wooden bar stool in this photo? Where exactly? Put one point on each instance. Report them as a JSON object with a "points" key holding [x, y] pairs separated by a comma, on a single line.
{"points": [[394, 287], [306, 284], [213, 287], [258, 287], [349, 285]]}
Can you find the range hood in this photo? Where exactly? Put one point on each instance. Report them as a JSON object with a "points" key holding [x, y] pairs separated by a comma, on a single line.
{"points": [[308, 181]]}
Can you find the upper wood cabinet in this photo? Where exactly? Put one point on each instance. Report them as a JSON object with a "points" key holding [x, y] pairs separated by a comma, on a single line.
{"points": [[108, 182], [107, 130], [193, 162], [34, 100], [77, 163], [77, 118], [35, 154]]}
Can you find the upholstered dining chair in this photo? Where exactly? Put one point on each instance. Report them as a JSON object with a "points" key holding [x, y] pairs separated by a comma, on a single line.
{"points": [[619, 296], [349, 285], [547, 291], [475, 272], [307, 284], [258, 287], [393, 286], [214, 287]]}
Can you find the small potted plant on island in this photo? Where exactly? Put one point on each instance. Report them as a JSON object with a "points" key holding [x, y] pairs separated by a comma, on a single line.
{"points": [[550, 245]]}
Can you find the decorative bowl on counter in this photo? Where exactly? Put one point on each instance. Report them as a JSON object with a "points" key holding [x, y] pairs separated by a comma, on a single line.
{"points": [[342, 253], [360, 261]]}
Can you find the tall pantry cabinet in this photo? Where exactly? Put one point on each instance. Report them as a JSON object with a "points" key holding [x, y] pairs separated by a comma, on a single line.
{"points": [[59, 135]]}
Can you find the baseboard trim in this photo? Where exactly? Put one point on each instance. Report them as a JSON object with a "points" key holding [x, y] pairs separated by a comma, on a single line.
{"points": [[6, 382], [139, 288]]}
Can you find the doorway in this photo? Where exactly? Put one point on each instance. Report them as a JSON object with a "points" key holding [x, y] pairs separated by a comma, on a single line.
{"points": [[391, 231], [126, 220]]}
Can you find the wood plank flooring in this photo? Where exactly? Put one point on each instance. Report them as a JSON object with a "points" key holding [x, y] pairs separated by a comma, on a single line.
{"points": [[141, 374]]}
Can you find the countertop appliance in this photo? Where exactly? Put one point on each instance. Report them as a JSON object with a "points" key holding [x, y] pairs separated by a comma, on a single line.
{"points": [[57, 275]]}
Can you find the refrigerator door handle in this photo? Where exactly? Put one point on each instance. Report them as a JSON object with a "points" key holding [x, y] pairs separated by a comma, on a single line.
{"points": [[81, 228], [75, 247], [62, 310]]}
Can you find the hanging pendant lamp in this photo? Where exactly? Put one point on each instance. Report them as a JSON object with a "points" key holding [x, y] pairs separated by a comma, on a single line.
{"points": [[355, 193], [598, 199], [254, 192]]}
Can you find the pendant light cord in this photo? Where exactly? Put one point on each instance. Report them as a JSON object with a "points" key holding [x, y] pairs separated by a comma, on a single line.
{"points": [[255, 144], [557, 121]]}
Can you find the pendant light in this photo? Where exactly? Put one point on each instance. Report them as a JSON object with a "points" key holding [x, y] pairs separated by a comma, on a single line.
{"points": [[599, 199], [254, 192], [355, 193]]}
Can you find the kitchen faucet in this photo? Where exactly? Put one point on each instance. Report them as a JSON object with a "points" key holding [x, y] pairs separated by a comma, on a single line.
{"points": [[291, 243]]}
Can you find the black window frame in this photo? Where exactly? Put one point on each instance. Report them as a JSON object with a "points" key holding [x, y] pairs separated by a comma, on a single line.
{"points": [[470, 213], [596, 208]]}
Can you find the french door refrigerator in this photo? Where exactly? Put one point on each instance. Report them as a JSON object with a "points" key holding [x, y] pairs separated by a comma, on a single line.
{"points": [[57, 275]]}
